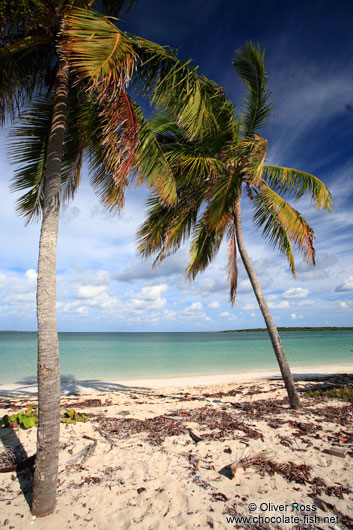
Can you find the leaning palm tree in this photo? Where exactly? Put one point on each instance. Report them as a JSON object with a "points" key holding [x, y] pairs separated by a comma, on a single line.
{"points": [[67, 68], [211, 172]]}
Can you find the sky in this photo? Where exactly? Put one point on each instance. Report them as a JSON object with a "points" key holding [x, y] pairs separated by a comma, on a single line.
{"points": [[102, 284]]}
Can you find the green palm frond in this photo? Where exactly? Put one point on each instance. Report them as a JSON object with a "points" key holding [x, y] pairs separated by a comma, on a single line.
{"points": [[25, 68], [281, 224], [152, 164], [167, 227], [249, 64], [254, 169], [296, 183], [97, 49], [114, 8], [221, 203], [194, 101], [204, 247], [27, 149]]}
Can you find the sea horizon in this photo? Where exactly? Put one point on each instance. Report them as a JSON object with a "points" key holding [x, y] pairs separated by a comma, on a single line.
{"points": [[144, 355]]}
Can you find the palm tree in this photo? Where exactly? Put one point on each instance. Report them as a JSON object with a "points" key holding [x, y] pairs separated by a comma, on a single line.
{"points": [[66, 68], [211, 171]]}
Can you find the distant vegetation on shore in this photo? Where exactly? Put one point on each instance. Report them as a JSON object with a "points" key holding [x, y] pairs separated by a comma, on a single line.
{"points": [[304, 328]]}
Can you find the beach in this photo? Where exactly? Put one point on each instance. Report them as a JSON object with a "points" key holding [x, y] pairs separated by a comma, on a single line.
{"points": [[134, 462]]}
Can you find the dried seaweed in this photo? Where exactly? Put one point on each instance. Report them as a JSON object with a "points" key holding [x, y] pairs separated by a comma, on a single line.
{"points": [[85, 404], [158, 428], [292, 472], [337, 415], [263, 407]]}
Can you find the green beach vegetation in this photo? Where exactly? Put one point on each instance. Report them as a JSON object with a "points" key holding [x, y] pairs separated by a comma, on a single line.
{"points": [[65, 70], [283, 328], [212, 170]]}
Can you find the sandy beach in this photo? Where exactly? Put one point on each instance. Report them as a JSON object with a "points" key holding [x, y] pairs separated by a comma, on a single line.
{"points": [[134, 463]]}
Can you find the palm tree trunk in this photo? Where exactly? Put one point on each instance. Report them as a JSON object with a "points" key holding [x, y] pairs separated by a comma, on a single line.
{"points": [[46, 469], [271, 326]]}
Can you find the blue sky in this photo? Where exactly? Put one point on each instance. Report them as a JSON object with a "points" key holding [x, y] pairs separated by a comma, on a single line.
{"points": [[104, 286]]}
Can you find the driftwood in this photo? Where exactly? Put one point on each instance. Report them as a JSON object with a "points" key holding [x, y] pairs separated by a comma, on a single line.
{"points": [[84, 454]]}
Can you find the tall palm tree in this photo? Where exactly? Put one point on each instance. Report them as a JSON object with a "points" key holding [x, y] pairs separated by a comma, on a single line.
{"points": [[211, 171], [69, 67]]}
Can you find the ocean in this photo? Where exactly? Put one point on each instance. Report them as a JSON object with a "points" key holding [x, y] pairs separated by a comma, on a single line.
{"points": [[113, 356]]}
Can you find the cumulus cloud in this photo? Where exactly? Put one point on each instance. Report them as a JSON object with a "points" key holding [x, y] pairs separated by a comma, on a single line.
{"points": [[89, 291], [284, 304], [214, 305], [347, 285], [294, 316], [249, 307], [296, 292]]}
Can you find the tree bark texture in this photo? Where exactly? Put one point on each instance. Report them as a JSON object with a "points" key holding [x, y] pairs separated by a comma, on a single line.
{"points": [[271, 326], [46, 468]]}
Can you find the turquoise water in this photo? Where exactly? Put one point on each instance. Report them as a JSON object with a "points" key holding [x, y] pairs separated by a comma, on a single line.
{"points": [[113, 356]]}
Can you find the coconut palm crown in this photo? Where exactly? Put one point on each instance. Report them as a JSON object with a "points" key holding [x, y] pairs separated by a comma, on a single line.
{"points": [[211, 172]]}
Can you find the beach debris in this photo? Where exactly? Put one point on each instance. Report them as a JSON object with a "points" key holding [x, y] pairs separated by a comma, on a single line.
{"points": [[158, 428], [218, 496], [227, 450], [337, 451], [84, 454], [343, 518], [141, 490], [194, 437]]}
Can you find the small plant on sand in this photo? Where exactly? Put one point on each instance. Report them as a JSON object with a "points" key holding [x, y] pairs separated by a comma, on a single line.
{"points": [[340, 392], [71, 416], [26, 419], [29, 418]]}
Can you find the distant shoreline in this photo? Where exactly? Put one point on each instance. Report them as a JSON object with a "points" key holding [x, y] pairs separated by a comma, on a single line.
{"points": [[281, 328], [249, 330]]}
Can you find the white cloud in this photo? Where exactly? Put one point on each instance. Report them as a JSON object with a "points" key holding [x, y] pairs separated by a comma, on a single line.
{"points": [[294, 316], [89, 291], [151, 292], [225, 314], [347, 285], [249, 307], [195, 306], [214, 305], [296, 292], [305, 303], [284, 304]]}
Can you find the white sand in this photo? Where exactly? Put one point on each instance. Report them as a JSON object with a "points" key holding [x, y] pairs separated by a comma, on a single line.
{"points": [[129, 482]]}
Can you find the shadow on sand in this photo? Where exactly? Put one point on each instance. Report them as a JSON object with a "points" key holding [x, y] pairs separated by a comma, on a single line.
{"points": [[319, 381], [18, 455], [70, 386]]}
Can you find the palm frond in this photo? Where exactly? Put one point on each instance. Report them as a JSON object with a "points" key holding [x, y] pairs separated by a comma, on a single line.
{"points": [[249, 64], [221, 203], [281, 224], [205, 245], [194, 101], [110, 129], [27, 149], [97, 49], [167, 227], [114, 8], [151, 163], [25, 67], [296, 183]]}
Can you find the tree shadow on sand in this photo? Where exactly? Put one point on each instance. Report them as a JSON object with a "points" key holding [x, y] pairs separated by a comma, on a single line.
{"points": [[319, 381], [17, 455], [70, 386]]}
